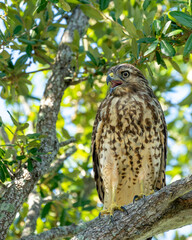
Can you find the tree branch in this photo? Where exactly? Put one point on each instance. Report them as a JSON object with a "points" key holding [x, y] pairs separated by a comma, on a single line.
{"points": [[24, 182], [167, 209], [67, 142], [56, 164], [34, 202], [59, 197]]}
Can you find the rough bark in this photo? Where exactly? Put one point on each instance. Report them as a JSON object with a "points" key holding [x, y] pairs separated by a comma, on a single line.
{"points": [[24, 182], [34, 202], [167, 209]]}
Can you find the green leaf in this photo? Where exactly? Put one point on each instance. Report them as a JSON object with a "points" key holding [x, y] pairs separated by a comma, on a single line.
{"points": [[13, 120], [188, 46], [2, 74], [51, 28], [40, 5], [173, 33], [33, 150], [76, 38], [187, 100], [167, 25], [130, 27], [29, 50], [22, 89], [1, 122], [5, 54], [84, 1], [2, 36], [146, 4], [175, 65], [31, 42], [107, 51], [64, 5], [181, 18], [157, 26], [134, 48], [146, 40], [33, 135], [46, 209], [7, 175], [34, 143], [21, 60], [36, 158], [104, 4], [29, 165], [151, 48], [17, 29], [23, 126], [2, 153], [160, 61], [91, 12], [166, 48], [21, 157], [65, 133], [2, 174], [150, 71], [92, 58]]}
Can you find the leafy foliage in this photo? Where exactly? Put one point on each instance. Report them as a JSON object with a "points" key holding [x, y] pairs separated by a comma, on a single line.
{"points": [[156, 36]]}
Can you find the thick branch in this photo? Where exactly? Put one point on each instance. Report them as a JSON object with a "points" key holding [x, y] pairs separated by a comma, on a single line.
{"points": [[34, 202], [24, 182], [167, 209], [160, 212]]}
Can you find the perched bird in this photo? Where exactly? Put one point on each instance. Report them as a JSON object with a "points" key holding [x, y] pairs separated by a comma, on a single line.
{"points": [[129, 140]]}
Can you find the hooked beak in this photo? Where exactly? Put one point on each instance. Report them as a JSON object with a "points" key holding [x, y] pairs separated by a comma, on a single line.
{"points": [[113, 80], [109, 79]]}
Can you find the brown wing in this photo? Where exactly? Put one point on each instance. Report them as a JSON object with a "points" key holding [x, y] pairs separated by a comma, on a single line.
{"points": [[97, 130], [161, 178]]}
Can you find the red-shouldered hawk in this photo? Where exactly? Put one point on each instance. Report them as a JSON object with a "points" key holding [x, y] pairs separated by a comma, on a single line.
{"points": [[129, 140]]}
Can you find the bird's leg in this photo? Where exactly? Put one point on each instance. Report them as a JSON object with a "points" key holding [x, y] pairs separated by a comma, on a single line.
{"points": [[141, 195], [110, 202], [113, 206]]}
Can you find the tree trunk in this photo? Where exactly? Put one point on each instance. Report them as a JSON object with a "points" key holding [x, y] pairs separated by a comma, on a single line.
{"points": [[18, 190]]}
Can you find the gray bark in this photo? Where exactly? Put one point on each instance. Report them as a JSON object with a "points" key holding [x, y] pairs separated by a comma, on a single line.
{"points": [[18, 190], [167, 209], [34, 202]]}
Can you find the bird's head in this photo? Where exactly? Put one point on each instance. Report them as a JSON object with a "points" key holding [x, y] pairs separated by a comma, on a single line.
{"points": [[123, 75]]}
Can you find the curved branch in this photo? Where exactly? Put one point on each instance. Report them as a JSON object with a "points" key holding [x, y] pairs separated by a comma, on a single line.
{"points": [[167, 209]]}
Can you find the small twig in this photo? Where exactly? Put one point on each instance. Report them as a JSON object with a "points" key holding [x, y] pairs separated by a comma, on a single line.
{"points": [[78, 81], [3, 185], [59, 197], [55, 165], [42, 57], [11, 173], [40, 70], [67, 142]]}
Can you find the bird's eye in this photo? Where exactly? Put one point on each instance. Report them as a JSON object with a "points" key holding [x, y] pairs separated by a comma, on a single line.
{"points": [[125, 74]]}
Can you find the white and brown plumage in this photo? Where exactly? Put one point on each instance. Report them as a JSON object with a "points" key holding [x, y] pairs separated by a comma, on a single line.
{"points": [[129, 140]]}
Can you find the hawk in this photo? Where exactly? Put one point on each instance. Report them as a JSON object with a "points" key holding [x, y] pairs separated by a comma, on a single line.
{"points": [[129, 140]]}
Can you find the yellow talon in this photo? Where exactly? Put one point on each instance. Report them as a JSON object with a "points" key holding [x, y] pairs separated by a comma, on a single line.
{"points": [[111, 210]]}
